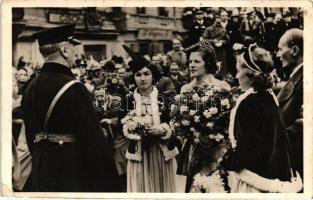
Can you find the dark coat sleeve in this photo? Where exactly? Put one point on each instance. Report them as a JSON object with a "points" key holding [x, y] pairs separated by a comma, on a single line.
{"points": [[249, 137]]}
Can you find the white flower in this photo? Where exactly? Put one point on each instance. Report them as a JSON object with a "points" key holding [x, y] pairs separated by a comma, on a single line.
{"points": [[196, 140], [197, 118], [183, 109], [213, 110], [195, 97], [125, 119], [204, 99], [219, 137], [196, 134], [172, 124], [177, 97], [207, 114], [209, 93], [210, 124], [192, 112], [140, 120], [211, 136], [133, 137], [217, 88], [185, 122], [192, 129], [211, 184], [177, 124], [131, 125], [173, 107], [225, 102]]}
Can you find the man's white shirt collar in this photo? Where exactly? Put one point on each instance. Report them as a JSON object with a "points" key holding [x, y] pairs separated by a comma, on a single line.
{"points": [[224, 24], [296, 69]]}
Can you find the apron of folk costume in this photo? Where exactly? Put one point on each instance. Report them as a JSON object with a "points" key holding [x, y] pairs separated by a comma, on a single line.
{"points": [[152, 169]]}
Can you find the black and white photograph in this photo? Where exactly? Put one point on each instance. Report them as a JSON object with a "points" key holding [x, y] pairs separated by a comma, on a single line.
{"points": [[157, 99]]}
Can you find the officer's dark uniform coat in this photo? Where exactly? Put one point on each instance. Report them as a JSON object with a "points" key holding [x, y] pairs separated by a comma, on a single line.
{"points": [[82, 166]]}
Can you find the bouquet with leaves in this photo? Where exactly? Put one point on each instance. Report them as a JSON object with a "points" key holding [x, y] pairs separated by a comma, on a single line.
{"points": [[202, 112], [136, 127]]}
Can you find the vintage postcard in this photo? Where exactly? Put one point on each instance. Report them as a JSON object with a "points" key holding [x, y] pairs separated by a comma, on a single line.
{"points": [[156, 99]]}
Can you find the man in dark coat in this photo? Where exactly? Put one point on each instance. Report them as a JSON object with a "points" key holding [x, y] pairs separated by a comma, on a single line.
{"points": [[178, 80], [218, 37], [177, 55], [290, 53], [70, 153]]}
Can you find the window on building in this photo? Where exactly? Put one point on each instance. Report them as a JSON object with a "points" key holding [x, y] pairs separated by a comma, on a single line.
{"points": [[163, 12], [141, 10], [98, 52], [144, 48], [167, 46]]}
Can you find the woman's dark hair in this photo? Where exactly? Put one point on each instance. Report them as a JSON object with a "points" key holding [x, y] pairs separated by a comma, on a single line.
{"points": [[140, 63], [207, 53]]}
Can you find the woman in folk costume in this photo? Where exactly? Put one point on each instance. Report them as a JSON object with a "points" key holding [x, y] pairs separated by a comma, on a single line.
{"points": [[260, 161], [151, 154], [202, 67]]}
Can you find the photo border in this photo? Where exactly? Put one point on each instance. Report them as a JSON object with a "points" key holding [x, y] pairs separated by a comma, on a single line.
{"points": [[6, 94]]}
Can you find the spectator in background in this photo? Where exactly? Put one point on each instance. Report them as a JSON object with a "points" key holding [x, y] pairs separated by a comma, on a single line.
{"points": [[198, 27], [164, 84], [252, 28], [235, 36], [177, 55], [270, 27], [218, 38], [22, 78], [178, 80], [81, 65]]}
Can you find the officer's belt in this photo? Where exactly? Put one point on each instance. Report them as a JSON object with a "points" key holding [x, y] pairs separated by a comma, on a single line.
{"points": [[54, 137]]}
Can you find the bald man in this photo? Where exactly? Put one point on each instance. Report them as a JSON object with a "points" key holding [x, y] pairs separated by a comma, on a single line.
{"points": [[290, 53]]}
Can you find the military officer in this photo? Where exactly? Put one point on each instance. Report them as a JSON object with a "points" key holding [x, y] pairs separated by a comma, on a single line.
{"points": [[69, 151]]}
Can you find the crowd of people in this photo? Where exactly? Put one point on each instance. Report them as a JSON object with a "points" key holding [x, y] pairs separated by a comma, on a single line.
{"points": [[115, 127]]}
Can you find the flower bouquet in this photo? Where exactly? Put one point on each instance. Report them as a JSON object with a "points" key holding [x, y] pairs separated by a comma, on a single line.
{"points": [[202, 112], [136, 129], [213, 183], [200, 118]]}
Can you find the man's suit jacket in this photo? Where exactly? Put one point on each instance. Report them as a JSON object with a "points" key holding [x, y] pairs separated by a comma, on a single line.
{"points": [[179, 82], [290, 100]]}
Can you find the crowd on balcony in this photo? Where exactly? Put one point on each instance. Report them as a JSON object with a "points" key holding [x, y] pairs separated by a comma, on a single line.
{"points": [[242, 54]]}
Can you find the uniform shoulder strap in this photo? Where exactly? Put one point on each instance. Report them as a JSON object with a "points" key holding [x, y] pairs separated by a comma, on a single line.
{"points": [[55, 100]]}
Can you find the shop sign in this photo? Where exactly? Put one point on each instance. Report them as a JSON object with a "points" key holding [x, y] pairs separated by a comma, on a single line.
{"points": [[149, 34]]}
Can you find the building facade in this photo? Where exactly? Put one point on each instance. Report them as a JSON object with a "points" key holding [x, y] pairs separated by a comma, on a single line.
{"points": [[146, 30]]}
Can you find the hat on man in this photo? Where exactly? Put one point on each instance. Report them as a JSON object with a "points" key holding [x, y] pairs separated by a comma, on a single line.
{"points": [[56, 35], [249, 11]]}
